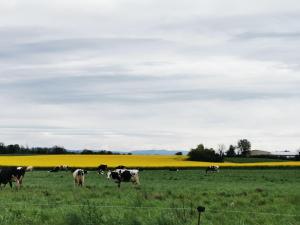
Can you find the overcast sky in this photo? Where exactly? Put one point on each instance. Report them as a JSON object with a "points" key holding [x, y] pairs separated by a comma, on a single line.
{"points": [[150, 74]]}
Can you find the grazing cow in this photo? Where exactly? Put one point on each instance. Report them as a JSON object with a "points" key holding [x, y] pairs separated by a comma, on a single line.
{"points": [[29, 168], [124, 175], [12, 174], [101, 168], [78, 176], [63, 167], [212, 169], [55, 169], [59, 168]]}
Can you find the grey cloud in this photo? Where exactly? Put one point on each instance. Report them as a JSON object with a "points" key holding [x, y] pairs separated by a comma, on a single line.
{"points": [[102, 46], [126, 89], [268, 35]]}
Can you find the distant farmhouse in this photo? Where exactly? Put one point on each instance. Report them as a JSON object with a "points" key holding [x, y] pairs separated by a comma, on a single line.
{"points": [[259, 152]]}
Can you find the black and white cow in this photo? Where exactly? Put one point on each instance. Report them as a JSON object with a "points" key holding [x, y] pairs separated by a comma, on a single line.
{"points": [[101, 169], [212, 169], [124, 175], [12, 174]]}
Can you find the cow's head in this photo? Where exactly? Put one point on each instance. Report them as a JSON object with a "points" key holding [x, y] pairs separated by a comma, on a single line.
{"points": [[80, 172], [20, 172]]}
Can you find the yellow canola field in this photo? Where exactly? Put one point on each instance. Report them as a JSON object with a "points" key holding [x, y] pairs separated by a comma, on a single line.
{"points": [[131, 161]]}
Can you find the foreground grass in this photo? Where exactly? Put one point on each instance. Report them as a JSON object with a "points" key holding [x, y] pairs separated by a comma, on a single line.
{"points": [[146, 161], [251, 160], [230, 197]]}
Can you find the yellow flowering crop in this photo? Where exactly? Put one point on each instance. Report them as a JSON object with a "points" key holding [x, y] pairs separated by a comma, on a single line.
{"points": [[133, 161]]}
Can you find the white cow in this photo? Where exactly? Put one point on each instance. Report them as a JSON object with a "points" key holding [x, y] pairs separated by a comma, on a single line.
{"points": [[78, 176]]}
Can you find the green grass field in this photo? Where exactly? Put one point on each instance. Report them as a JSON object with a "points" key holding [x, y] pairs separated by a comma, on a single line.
{"points": [[251, 160], [231, 197]]}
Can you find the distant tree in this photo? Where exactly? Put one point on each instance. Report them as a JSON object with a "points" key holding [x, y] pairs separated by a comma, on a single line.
{"points": [[86, 151], [58, 150], [178, 153], [12, 149], [297, 156], [231, 151], [221, 149], [204, 154], [244, 146], [2, 148]]}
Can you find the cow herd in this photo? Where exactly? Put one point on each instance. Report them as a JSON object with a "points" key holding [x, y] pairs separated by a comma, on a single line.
{"points": [[119, 174]]}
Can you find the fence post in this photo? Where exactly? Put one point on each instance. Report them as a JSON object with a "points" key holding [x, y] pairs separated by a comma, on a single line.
{"points": [[200, 209]]}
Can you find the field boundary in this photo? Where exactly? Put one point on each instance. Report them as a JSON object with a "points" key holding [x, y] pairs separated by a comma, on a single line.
{"points": [[146, 208]]}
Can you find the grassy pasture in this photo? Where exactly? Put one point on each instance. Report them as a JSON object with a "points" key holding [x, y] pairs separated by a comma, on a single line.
{"points": [[231, 197], [252, 160]]}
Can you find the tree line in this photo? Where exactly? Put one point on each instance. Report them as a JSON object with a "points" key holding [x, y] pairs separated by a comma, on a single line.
{"points": [[15, 149], [19, 149]]}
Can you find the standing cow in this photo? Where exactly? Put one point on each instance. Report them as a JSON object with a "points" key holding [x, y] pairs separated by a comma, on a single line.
{"points": [[124, 175], [12, 174], [78, 176]]}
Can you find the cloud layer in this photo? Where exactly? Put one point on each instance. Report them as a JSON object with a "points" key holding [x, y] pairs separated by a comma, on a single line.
{"points": [[125, 75]]}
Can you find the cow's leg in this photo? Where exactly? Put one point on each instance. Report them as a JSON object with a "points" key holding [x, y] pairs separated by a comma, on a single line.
{"points": [[18, 184], [10, 184], [21, 181], [137, 180], [119, 184]]}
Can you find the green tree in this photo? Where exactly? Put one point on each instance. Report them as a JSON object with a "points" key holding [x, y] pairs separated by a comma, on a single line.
{"points": [[204, 154], [87, 151], [2, 148], [231, 151], [244, 146], [58, 150]]}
